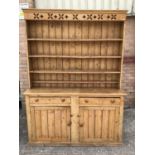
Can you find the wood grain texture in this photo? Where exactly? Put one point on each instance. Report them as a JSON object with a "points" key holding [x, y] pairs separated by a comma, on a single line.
{"points": [[74, 119], [60, 50], [50, 123], [99, 123], [88, 120], [28, 115], [75, 15], [75, 60]]}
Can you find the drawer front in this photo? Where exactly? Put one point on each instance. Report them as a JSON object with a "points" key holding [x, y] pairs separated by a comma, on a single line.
{"points": [[100, 101], [49, 100]]}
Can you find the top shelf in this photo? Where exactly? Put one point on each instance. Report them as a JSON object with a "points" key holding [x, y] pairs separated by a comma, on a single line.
{"points": [[74, 40]]}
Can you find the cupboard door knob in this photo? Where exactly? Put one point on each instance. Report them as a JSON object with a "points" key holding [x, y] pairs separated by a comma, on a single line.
{"points": [[78, 115], [71, 115], [69, 124], [112, 101], [81, 124]]}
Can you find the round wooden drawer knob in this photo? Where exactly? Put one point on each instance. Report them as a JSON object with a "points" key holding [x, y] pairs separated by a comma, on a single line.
{"points": [[69, 124], [112, 101], [63, 100], [81, 124], [36, 100]]}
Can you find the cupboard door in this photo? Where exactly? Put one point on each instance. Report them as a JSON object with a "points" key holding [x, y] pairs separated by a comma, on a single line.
{"points": [[99, 124], [50, 124]]}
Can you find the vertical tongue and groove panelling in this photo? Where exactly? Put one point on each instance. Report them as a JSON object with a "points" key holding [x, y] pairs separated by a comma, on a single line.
{"points": [[58, 46], [99, 124], [75, 49], [50, 124]]}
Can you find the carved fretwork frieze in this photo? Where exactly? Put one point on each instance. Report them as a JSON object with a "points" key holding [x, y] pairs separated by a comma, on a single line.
{"points": [[72, 15]]}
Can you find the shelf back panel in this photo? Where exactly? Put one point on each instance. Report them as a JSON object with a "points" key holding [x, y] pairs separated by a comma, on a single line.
{"points": [[75, 53], [75, 29]]}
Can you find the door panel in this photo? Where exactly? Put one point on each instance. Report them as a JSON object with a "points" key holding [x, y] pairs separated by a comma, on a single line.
{"points": [[51, 124], [99, 124]]}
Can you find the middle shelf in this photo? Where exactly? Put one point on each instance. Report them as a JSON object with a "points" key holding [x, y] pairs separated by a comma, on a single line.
{"points": [[72, 56], [73, 72], [74, 40], [70, 81]]}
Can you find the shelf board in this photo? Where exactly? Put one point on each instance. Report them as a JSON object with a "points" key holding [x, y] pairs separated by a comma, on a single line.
{"points": [[98, 82], [73, 72], [73, 40], [72, 56]]}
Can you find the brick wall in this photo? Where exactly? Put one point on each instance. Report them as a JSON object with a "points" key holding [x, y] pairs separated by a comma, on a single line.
{"points": [[128, 66], [23, 75], [128, 81]]}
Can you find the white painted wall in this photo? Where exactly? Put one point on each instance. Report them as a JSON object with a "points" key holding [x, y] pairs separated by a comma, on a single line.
{"points": [[87, 4]]}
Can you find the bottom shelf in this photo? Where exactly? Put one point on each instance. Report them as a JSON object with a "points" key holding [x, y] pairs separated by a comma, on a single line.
{"points": [[75, 82], [79, 85], [73, 72]]}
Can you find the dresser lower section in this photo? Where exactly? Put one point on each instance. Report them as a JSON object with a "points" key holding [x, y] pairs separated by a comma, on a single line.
{"points": [[74, 119]]}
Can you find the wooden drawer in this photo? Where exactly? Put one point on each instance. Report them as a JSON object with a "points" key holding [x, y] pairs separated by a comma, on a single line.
{"points": [[49, 100], [99, 101]]}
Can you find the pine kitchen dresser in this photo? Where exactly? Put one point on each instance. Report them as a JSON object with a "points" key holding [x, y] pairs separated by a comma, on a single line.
{"points": [[75, 60]]}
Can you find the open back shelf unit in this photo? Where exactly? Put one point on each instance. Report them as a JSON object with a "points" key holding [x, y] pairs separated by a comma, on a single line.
{"points": [[75, 62], [75, 49]]}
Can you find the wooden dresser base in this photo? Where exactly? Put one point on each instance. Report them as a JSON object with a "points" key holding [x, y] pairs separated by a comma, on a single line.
{"points": [[77, 117]]}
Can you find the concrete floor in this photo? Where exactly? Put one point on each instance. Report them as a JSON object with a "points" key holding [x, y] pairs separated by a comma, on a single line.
{"points": [[128, 148]]}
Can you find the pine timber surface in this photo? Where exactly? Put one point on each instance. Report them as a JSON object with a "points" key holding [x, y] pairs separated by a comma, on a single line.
{"points": [[76, 91], [75, 60]]}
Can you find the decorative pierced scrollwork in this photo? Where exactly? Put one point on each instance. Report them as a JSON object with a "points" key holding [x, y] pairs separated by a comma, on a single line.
{"points": [[41, 16], [84, 16], [94, 16], [89, 16], [100, 16], [36, 15], [108, 17], [55, 16], [75, 16], [113, 16], [66, 16], [50, 15], [61, 16]]}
